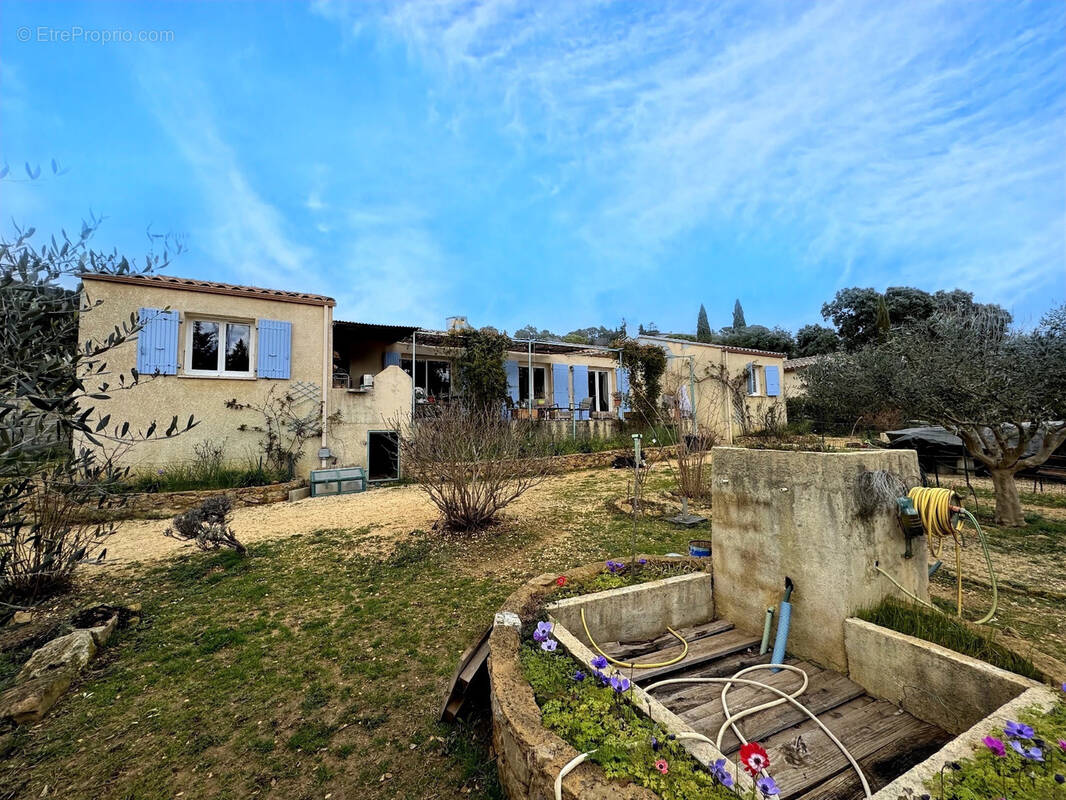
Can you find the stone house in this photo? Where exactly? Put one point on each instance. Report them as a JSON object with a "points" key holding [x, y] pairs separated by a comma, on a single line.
{"points": [[206, 344], [727, 391]]}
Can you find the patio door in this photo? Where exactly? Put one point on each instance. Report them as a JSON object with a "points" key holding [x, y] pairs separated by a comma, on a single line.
{"points": [[601, 399]]}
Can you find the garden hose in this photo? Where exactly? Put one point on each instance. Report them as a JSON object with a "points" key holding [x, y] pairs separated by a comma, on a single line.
{"points": [[632, 665], [942, 518], [782, 697], [571, 765]]}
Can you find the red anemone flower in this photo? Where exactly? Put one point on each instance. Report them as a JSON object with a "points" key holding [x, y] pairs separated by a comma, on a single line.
{"points": [[754, 758], [560, 581], [662, 766]]}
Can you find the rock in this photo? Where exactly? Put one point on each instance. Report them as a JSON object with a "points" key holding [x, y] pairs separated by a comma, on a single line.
{"points": [[101, 633], [30, 700], [21, 617], [72, 651]]}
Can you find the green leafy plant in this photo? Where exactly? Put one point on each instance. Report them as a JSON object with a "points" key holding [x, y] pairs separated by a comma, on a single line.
{"points": [[590, 716], [1025, 759]]}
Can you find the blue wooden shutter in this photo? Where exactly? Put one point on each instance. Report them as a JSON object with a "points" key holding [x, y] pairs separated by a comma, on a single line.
{"points": [[751, 377], [511, 368], [581, 387], [561, 385], [275, 349], [157, 342], [621, 376], [773, 381], [392, 359]]}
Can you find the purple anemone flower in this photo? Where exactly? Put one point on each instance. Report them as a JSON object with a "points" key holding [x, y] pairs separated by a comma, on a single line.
{"points": [[619, 683], [602, 677], [721, 774], [599, 662], [1031, 753], [995, 745], [1018, 730], [578, 676], [549, 645], [767, 786]]}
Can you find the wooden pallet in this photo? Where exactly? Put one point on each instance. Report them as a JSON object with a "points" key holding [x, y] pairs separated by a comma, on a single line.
{"points": [[805, 763]]}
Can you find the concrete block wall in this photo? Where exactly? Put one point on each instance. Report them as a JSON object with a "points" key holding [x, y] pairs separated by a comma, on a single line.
{"points": [[781, 513]]}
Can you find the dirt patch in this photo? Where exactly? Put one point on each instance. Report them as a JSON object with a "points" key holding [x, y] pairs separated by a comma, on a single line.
{"points": [[390, 513]]}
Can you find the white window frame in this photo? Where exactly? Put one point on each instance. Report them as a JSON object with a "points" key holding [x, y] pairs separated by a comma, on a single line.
{"points": [[756, 383], [531, 383], [222, 322], [596, 384]]}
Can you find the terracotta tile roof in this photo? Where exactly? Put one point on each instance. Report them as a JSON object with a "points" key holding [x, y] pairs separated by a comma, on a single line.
{"points": [[800, 363], [211, 287], [747, 351], [751, 351]]}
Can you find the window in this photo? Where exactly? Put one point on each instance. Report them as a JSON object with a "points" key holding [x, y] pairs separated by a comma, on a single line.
{"points": [[538, 384], [601, 400], [753, 378], [218, 347], [434, 378]]}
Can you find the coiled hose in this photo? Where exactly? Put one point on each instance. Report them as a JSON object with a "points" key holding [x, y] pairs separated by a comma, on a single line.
{"points": [[941, 517]]}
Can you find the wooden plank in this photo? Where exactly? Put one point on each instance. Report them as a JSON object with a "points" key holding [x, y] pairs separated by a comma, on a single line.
{"points": [[700, 652], [626, 651], [472, 669], [882, 766], [802, 757], [709, 716], [681, 697], [826, 691]]}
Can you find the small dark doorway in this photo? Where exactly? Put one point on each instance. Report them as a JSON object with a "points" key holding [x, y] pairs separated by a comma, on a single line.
{"points": [[383, 456]]}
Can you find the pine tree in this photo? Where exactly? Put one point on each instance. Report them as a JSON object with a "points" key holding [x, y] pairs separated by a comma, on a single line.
{"points": [[738, 316], [703, 327]]}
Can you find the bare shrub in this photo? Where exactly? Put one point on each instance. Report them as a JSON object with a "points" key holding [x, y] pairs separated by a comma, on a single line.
{"points": [[56, 529], [472, 463], [207, 526]]}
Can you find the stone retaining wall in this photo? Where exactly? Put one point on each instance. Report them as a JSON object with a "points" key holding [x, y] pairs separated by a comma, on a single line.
{"points": [[528, 755], [169, 504]]}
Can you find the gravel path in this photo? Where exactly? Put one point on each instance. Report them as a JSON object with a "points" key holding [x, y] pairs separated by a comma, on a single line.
{"points": [[390, 512]]}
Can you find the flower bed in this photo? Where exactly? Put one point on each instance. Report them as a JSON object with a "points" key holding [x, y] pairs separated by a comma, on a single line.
{"points": [[589, 711], [1025, 758], [529, 755]]}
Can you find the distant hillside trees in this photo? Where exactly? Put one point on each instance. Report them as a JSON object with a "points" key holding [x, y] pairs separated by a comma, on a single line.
{"points": [[703, 326], [859, 314], [816, 340], [738, 316]]}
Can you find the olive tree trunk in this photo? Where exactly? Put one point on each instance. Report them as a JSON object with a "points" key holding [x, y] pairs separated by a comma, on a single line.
{"points": [[1008, 504]]}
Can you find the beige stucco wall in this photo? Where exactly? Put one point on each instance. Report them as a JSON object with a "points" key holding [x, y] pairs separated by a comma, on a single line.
{"points": [[160, 398], [779, 513], [792, 383], [713, 403], [385, 407]]}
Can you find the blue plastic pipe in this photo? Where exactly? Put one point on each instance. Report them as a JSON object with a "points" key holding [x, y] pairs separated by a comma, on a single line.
{"points": [[784, 616]]}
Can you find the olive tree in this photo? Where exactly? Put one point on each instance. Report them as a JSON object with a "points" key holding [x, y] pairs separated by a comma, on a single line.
{"points": [[56, 451], [1001, 390]]}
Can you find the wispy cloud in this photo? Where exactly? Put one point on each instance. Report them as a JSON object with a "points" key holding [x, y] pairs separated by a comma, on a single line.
{"points": [[920, 142], [242, 230]]}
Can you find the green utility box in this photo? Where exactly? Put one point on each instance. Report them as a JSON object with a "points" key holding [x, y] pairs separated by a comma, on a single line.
{"points": [[343, 480]]}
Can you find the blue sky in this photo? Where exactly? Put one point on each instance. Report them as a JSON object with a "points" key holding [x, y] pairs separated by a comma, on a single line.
{"points": [[559, 163]]}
